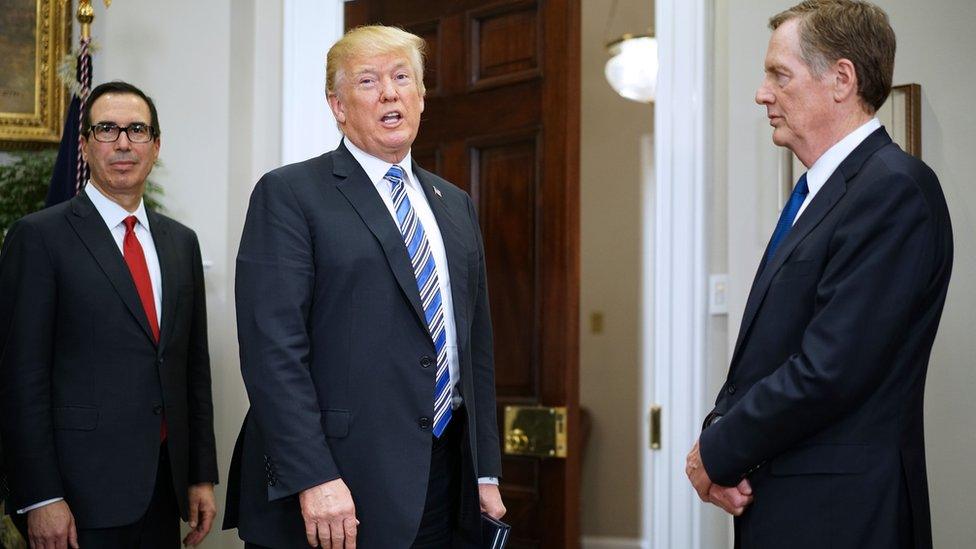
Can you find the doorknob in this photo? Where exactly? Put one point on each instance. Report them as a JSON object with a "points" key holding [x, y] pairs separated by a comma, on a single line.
{"points": [[536, 431]]}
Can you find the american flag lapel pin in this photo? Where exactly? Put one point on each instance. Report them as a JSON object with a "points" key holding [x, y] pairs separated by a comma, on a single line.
{"points": [[437, 191]]}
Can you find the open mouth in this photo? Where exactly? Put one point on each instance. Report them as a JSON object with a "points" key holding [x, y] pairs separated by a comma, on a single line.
{"points": [[391, 118]]}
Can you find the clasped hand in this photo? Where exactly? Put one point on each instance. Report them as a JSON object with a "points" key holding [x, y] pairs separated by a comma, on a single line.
{"points": [[732, 499]]}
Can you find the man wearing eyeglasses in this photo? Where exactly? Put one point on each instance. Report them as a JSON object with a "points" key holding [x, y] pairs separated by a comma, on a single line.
{"points": [[105, 394]]}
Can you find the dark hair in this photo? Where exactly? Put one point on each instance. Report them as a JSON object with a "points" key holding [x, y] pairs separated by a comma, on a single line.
{"points": [[120, 87], [847, 29]]}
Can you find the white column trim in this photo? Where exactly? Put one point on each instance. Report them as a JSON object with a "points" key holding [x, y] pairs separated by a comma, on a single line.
{"points": [[309, 29], [672, 513]]}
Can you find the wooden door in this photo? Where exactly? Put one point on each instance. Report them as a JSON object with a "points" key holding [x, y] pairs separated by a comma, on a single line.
{"points": [[502, 122]]}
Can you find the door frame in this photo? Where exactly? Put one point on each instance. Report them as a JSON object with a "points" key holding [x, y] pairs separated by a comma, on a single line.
{"points": [[675, 272]]}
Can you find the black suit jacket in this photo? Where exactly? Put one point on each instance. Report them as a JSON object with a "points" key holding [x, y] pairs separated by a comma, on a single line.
{"points": [[82, 384], [338, 361], [822, 408]]}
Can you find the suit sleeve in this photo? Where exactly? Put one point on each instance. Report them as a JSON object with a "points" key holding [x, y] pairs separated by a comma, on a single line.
{"points": [[203, 447], [872, 282], [483, 366], [275, 280], [28, 298]]}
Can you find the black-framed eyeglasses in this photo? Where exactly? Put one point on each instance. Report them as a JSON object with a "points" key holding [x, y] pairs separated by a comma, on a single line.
{"points": [[137, 132]]}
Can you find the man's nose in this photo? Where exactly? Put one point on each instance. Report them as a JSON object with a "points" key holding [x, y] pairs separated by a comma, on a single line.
{"points": [[763, 95], [388, 91], [123, 143]]}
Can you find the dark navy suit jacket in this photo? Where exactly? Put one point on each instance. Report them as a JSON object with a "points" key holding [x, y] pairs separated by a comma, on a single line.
{"points": [[83, 385], [337, 359], [822, 408]]}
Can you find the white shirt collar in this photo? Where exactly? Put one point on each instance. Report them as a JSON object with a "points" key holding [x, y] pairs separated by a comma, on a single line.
{"points": [[824, 167], [376, 168], [111, 212]]}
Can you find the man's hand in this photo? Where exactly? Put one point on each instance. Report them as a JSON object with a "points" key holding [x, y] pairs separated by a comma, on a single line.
{"points": [[203, 509], [52, 527], [733, 500], [491, 500], [696, 473], [330, 515]]}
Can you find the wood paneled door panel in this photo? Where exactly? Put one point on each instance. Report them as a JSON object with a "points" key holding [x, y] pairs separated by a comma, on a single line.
{"points": [[501, 121], [504, 183]]}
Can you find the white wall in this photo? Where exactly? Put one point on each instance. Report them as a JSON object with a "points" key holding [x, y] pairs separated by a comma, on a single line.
{"points": [[610, 245], [935, 51]]}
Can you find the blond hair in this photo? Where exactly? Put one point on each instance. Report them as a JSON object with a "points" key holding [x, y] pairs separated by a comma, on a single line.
{"points": [[846, 29], [370, 41]]}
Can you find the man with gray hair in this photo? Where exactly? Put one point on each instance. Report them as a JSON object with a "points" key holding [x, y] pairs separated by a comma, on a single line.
{"points": [[816, 436], [366, 342]]}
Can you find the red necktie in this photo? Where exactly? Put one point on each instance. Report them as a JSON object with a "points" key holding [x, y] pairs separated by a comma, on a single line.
{"points": [[135, 258]]}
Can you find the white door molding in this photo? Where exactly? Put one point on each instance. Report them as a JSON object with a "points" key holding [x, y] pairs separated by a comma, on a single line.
{"points": [[675, 270], [309, 29]]}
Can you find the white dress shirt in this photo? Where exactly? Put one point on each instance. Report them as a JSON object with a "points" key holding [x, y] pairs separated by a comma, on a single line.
{"points": [[375, 169], [827, 164], [113, 215]]}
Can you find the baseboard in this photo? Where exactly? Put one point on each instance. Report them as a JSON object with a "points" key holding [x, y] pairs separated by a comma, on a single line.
{"points": [[600, 542]]}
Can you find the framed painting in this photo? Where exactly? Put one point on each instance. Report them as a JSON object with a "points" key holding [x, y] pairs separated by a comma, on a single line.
{"points": [[34, 37], [901, 116]]}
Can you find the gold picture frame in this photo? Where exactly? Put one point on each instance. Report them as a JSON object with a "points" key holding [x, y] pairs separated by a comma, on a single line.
{"points": [[35, 38]]}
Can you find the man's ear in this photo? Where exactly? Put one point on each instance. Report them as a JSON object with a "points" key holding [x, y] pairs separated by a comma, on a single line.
{"points": [[338, 109], [83, 141], [845, 80]]}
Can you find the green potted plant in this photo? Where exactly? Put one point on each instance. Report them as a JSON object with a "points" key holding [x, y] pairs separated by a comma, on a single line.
{"points": [[24, 183]]}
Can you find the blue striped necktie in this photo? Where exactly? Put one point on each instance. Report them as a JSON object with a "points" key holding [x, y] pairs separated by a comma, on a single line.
{"points": [[786, 218], [422, 259]]}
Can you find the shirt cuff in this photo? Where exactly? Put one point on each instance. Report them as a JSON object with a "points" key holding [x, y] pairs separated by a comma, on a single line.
{"points": [[38, 505], [488, 480]]}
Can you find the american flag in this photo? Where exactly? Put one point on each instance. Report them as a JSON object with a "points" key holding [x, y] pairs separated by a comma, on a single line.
{"points": [[70, 170]]}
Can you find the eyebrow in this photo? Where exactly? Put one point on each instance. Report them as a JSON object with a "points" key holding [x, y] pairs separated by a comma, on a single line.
{"points": [[371, 69], [117, 124]]}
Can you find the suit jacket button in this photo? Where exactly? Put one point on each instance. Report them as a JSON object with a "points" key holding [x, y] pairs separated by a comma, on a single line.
{"points": [[426, 362], [424, 423], [731, 389], [157, 409]]}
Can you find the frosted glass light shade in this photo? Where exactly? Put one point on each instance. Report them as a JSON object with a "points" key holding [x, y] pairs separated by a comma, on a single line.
{"points": [[632, 67]]}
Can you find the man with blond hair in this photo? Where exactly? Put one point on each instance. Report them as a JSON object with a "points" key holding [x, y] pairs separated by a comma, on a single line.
{"points": [[366, 343], [816, 437]]}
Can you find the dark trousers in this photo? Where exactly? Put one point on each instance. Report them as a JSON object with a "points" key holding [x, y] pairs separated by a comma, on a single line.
{"points": [[159, 528], [439, 522]]}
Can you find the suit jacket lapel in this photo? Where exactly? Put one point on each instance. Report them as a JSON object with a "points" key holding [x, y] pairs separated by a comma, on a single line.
{"points": [[457, 264], [822, 203], [168, 262], [355, 185], [91, 229]]}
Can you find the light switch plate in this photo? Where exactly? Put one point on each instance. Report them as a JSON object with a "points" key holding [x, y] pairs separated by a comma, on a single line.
{"points": [[718, 294]]}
